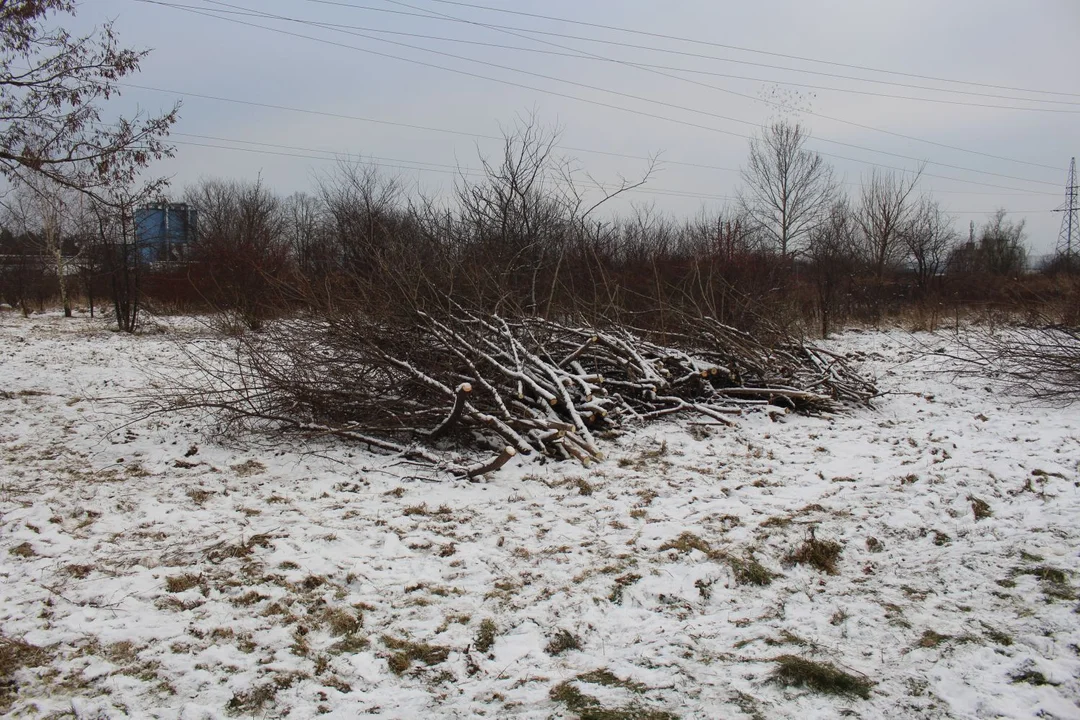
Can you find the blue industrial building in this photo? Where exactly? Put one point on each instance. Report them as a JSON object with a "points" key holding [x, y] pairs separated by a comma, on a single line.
{"points": [[165, 231]]}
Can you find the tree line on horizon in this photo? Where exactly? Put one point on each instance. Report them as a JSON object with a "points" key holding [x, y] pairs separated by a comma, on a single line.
{"points": [[528, 234]]}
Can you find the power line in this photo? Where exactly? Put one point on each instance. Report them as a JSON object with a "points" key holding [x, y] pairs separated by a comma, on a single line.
{"points": [[747, 49], [680, 107], [426, 128], [565, 95], [570, 82], [580, 54], [750, 97], [869, 93], [479, 136], [393, 163], [584, 55], [683, 53]]}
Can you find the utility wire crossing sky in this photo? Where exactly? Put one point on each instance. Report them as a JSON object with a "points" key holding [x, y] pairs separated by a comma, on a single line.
{"points": [[978, 92]]}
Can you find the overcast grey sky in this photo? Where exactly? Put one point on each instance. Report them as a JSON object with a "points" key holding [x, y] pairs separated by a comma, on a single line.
{"points": [[1026, 46]]}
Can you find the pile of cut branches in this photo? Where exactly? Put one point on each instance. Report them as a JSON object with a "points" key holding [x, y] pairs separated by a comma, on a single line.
{"points": [[423, 381]]}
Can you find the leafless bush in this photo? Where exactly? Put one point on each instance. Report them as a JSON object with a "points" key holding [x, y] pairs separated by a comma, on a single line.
{"points": [[241, 253], [833, 259]]}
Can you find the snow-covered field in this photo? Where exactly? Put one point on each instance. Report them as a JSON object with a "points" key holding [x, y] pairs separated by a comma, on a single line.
{"points": [[157, 569]]}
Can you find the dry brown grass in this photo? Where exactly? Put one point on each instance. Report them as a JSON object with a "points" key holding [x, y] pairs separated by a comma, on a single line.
{"points": [[14, 656], [199, 495], [748, 571], [23, 550], [485, 636], [980, 508], [823, 678], [407, 652], [588, 707], [342, 622], [562, 641], [181, 583], [79, 572], [820, 554], [248, 468], [253, 701], [686, 542]]}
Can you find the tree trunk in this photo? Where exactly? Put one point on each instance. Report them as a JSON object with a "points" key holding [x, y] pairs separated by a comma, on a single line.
{"points": [[62, 280], [56, 244], [88, 284]]}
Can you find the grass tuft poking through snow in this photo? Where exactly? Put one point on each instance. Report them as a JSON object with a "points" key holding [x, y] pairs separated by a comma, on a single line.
{"points": [[1054, 582], [182, 583], [686, 542], [15, 655], [748, 571], [820, 554], [562, 641], [794, 671], [980, 508], [23, 550], [1031, 676], [342, 622], [587, 707], [258, 697], [485, 636], [407, 652], [933, 639]]}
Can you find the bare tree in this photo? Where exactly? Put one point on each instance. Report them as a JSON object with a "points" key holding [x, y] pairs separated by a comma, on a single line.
{"points": [[52, 230], [788, 188], [832, 253], [363, 213], [1002, 246], [517, 216], [88, 260], [52, 85], [25, 262], [115, 219], [929, 237], [45, 211], [307, 239], [725, 235], [21, 269], [242, 245], [519, 219], [885, 208]]}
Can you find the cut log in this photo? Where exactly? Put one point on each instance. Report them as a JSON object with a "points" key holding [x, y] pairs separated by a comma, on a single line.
{"points": [[474, 472], [455, 413]]}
